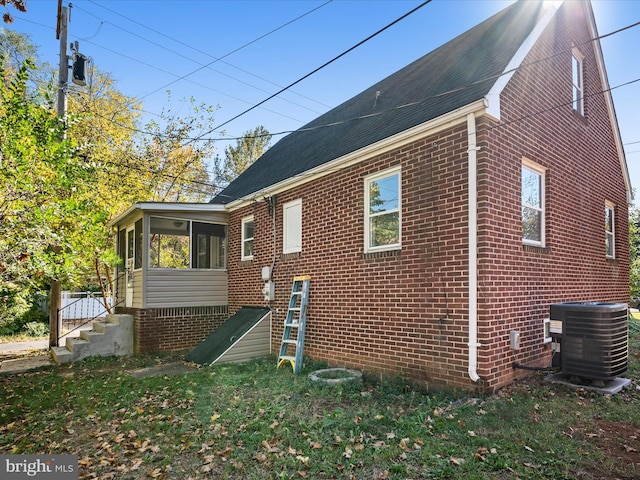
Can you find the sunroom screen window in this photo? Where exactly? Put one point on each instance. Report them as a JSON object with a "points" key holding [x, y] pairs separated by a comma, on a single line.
{"points": [[181, 243], [169, 245]]}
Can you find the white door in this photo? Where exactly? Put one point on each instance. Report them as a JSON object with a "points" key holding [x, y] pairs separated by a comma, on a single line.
{"points": [[128, 299]]}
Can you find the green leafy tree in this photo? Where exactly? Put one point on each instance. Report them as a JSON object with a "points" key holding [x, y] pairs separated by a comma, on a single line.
{"points": [[47, 203], [173, 155], [247, 150]]}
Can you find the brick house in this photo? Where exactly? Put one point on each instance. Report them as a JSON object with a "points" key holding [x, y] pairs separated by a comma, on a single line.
{"points": [[447, 205]]}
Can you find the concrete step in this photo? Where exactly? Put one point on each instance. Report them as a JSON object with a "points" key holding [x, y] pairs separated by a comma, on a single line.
{"points": [[93, 336], [112, 337], [61, 355], [99, 326], [112, 319]]}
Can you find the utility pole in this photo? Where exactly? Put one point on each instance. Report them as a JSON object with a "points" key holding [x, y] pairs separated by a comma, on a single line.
{"points": [[55, 293]]}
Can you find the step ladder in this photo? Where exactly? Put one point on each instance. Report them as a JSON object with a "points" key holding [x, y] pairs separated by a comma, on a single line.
{"points": [[295, 322]]}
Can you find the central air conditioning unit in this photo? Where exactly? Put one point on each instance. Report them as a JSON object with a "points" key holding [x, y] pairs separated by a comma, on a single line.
{"points": [[594, 338]]}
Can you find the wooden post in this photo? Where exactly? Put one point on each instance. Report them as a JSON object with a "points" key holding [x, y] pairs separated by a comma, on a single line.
{"points": [[55, 293], [55, 302]]}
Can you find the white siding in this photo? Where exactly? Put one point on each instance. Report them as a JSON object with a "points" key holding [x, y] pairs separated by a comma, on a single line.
{"points": [[254, 344], [186, 288], [137, 289]]}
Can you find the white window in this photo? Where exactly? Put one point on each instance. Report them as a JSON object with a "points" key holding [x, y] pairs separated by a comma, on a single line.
{"points": [[382, 204], [247, 238], [292, 229], [577, 80], [609, 230], [533, 224]]}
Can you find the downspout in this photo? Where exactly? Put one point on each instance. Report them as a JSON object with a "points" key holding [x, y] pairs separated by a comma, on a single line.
{"points": [[473, 247]]}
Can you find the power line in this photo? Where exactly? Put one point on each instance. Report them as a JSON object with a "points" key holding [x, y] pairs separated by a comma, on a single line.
{"points": [[322, 66], [489, 128], [216, 59], [454, 90], [103, 21]]}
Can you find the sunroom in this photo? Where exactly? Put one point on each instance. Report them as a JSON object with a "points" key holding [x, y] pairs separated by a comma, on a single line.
{"points": [[172, 276]]}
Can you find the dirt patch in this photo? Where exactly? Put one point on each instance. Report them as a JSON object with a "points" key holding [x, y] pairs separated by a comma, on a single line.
{"points": [[619, 443]]}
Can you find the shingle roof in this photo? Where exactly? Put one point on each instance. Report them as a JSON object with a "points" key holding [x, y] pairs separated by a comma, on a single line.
{"points": [[452, 76]]}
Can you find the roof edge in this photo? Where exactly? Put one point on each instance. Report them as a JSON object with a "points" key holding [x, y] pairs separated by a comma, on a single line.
{"points": [[428, 128], [493, 97], [167, 207], [608, 97]]}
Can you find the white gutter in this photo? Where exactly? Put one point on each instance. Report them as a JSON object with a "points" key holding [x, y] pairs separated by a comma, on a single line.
{"points": [[473, 248]]}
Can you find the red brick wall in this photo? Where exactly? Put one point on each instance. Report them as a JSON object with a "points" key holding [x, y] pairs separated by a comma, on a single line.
{"points": [[518, 284], [406, 312], [173, 329], [401, 312]]}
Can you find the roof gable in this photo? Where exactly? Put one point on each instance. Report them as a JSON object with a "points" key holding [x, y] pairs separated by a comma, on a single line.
{"points": [[454, 75]]}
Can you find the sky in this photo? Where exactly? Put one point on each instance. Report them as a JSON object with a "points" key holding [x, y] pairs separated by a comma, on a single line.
{"points": [[236, 54]]}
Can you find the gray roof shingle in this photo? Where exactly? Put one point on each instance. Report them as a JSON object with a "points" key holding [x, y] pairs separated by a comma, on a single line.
{"points": [[454, 75]]}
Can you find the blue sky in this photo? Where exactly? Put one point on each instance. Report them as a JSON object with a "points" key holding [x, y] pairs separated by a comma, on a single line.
{"points": [[150, 46]]}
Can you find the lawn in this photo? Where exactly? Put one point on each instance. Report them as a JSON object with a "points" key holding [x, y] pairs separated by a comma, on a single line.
{"points": [[254, 421]]}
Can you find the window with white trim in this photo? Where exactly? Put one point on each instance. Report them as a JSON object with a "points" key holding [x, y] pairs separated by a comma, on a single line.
{"points": [[610, 230], [292, 227], [577, 81], [247, 238], [383, 218], [533, 207]]}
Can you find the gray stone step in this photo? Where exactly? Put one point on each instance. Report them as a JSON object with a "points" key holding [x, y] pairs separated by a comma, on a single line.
{"points": [[113, 337], [61, 355]]}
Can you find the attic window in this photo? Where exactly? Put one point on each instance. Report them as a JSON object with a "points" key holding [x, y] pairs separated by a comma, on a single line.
{"points": [[577, 80]]}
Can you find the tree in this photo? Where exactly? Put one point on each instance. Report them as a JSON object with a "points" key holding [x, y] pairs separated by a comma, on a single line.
{"points": [[20, 5], [47, 206], [174, 154], [237, 159]]}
